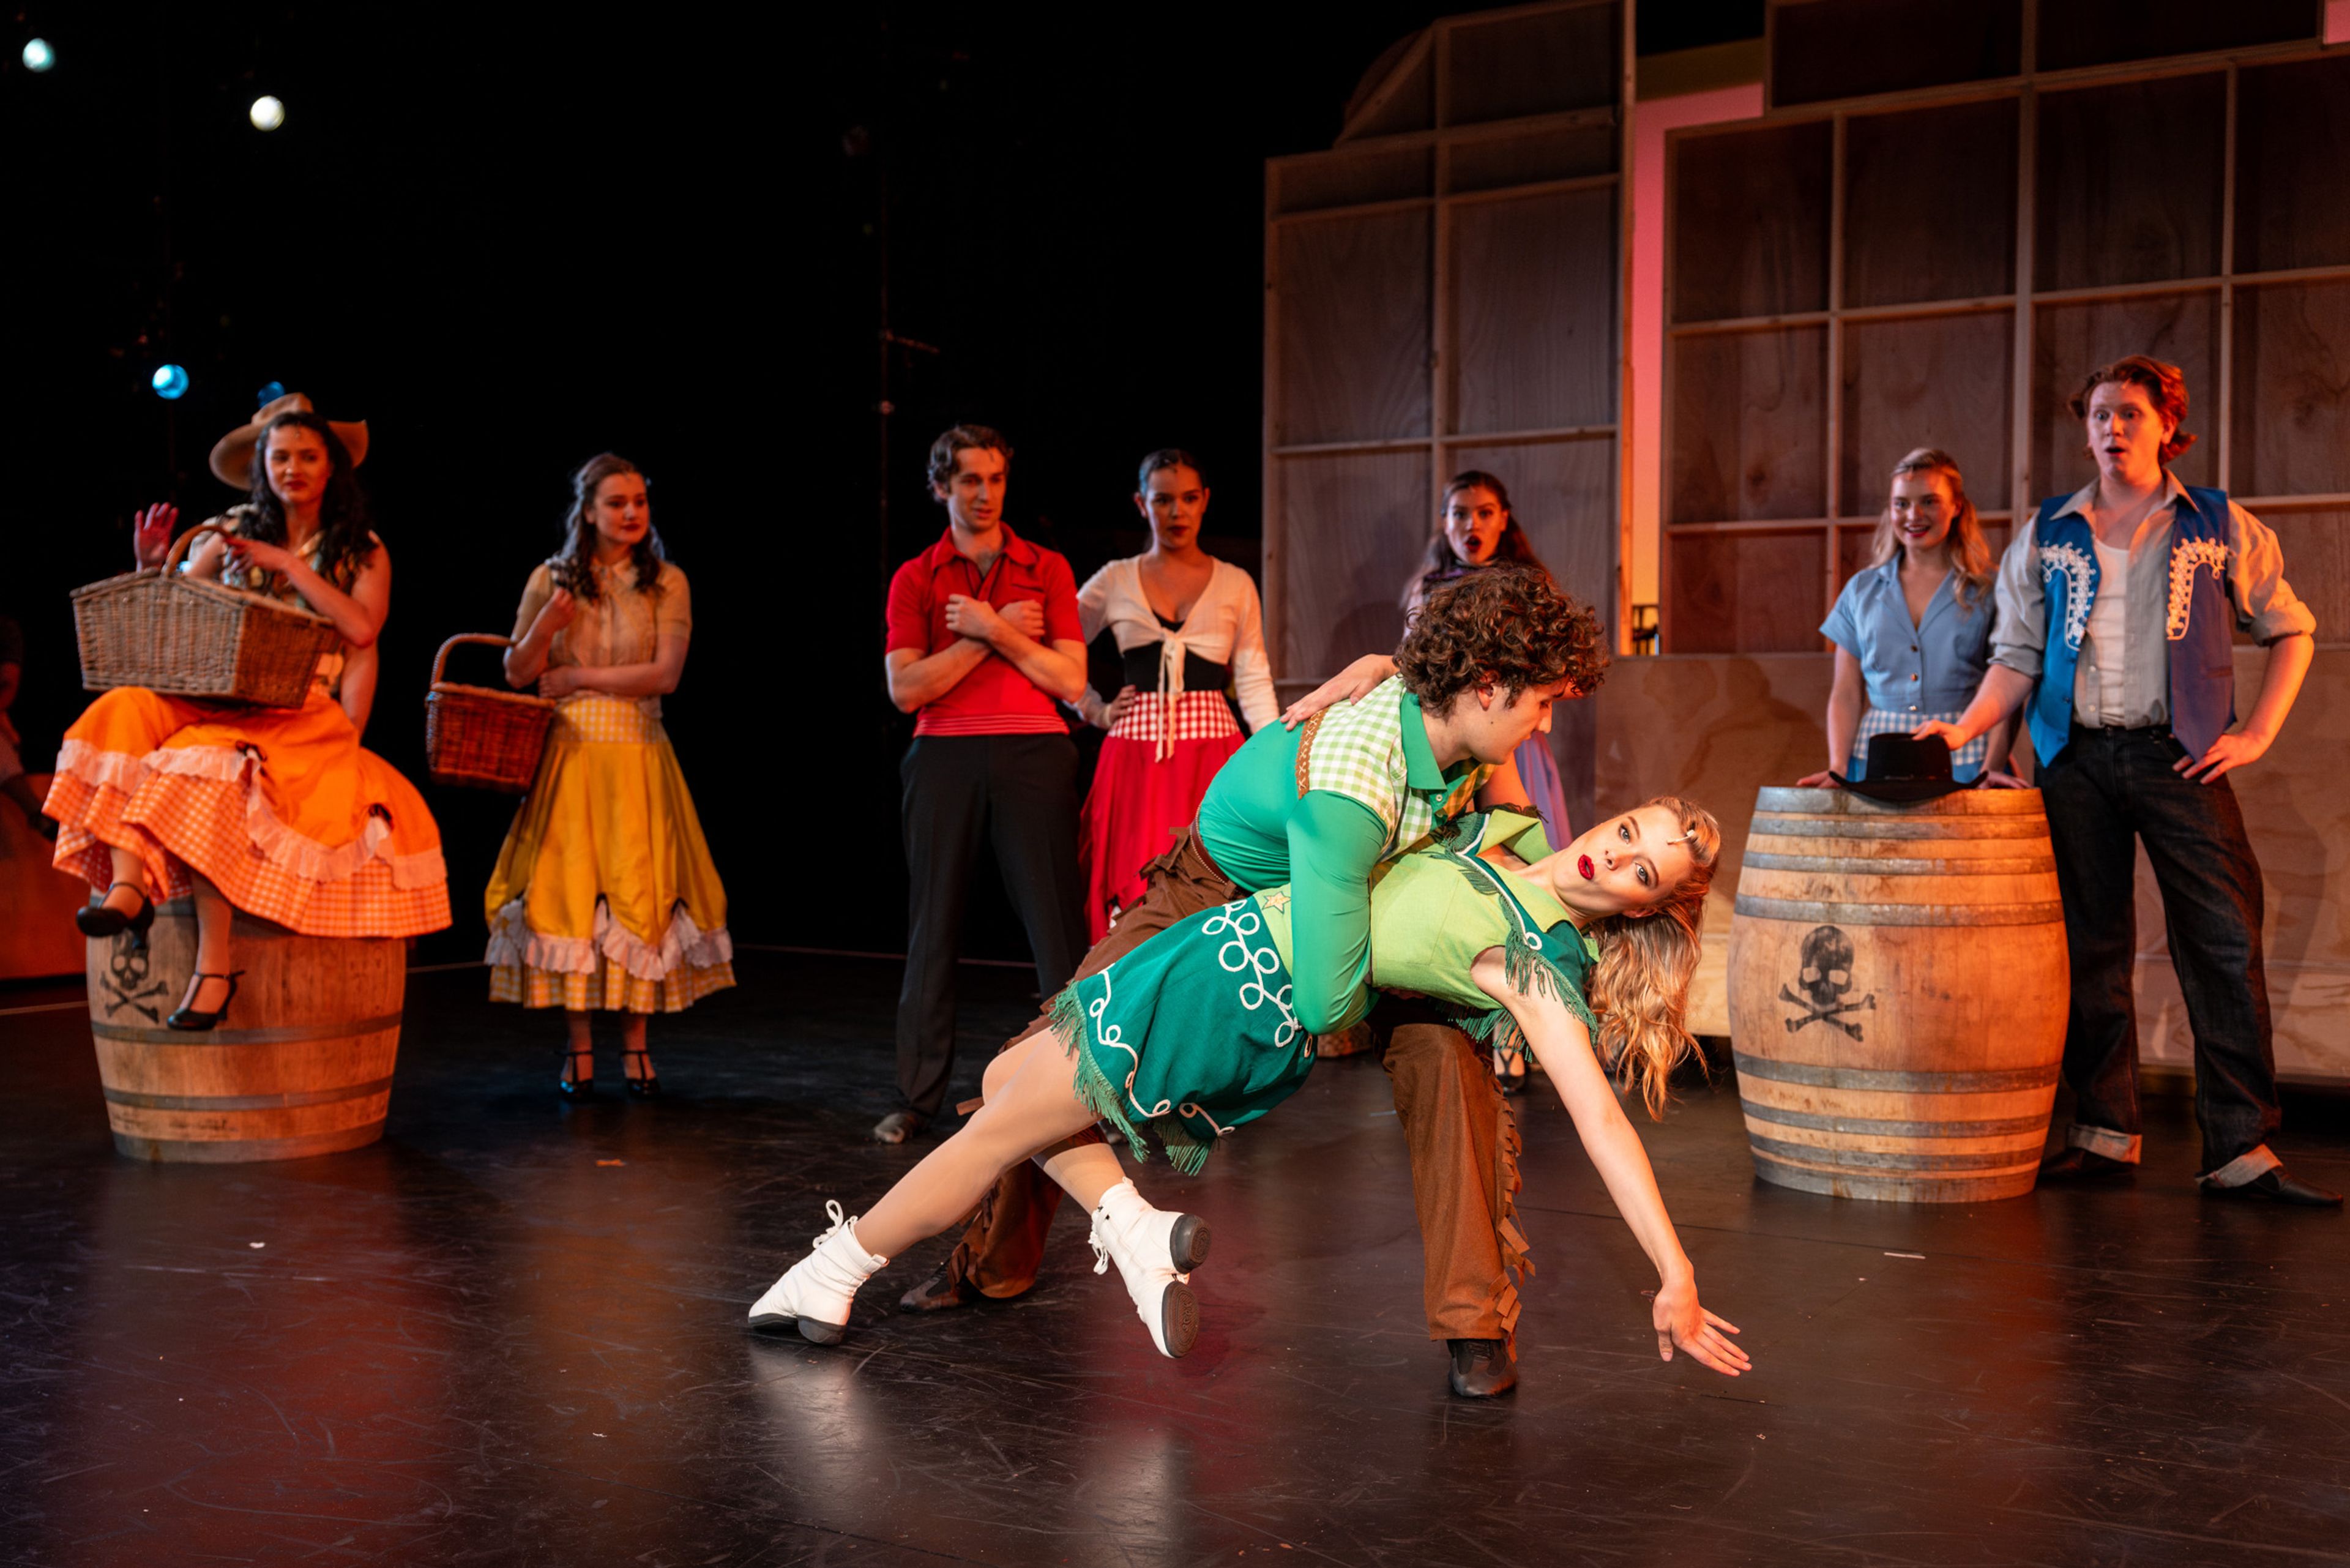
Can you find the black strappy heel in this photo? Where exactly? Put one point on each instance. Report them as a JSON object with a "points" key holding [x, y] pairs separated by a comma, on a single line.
{"points": [[191, 1021], [101, 919], [648, 1086], [569, 1083]]}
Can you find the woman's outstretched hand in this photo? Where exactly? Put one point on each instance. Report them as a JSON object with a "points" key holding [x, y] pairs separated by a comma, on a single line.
{"points": [[1824, 779], [1354, 681], [1681, 1322], [151, 535]]}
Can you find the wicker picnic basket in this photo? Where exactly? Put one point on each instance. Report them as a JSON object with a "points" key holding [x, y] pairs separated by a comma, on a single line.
{"points": [[191, 637], [479, 738]]}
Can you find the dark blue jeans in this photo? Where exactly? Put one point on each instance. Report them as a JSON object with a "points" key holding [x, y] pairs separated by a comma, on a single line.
{"points": [[2107, 789]]}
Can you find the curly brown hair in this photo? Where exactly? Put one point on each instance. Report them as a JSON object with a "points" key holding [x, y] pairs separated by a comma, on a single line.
{"points": [[1507, 626]]}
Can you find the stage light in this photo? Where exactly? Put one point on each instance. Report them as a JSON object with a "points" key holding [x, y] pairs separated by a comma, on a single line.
{"points": [[170, 381], [268, 113], [270, 393], [39, 56]]}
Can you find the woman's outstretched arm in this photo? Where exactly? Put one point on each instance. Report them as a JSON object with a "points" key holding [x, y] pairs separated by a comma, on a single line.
{"points": [[1563, 1045]]}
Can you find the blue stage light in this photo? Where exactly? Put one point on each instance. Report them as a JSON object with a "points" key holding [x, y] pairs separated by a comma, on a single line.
{"points": [[170, 381], [270, 393], [39, 56]]}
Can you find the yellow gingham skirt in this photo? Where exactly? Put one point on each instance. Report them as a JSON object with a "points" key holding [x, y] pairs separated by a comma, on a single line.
{"points": [[604, 896]]}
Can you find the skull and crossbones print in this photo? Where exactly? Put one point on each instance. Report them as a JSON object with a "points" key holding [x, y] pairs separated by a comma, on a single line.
{"points": [[1827, 979]]}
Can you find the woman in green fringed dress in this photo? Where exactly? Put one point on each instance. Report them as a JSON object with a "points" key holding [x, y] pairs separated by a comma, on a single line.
{"points": [[1584, 955]]}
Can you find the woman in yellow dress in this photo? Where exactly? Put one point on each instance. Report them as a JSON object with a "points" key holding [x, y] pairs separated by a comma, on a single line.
{"points": [[278, 812], [604, 896]]}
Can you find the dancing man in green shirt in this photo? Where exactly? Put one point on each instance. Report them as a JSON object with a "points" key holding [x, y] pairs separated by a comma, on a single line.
{"points": [[1586, 955], [1320, 807]]}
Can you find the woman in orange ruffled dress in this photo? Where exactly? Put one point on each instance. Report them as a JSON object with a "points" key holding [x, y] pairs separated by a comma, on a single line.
{"points": [[278, 812]]}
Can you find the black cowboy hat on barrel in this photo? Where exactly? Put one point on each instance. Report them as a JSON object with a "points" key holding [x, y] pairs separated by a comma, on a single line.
{"points": [[1902, 768]]}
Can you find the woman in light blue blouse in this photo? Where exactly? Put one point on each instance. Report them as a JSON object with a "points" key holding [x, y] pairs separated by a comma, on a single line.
{"points": [[1912, 629]]}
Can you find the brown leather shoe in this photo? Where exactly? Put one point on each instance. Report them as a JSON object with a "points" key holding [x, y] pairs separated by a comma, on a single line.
{"points": [[2277, 1184], [2075, 1164], [937, 1293], [1482, 1367]]}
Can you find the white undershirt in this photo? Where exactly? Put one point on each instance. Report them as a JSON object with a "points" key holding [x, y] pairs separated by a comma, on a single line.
{"points": [[2107, 642]]}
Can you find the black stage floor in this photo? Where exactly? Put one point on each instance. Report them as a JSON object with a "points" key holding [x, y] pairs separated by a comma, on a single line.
{"points": [[511, 1333]]}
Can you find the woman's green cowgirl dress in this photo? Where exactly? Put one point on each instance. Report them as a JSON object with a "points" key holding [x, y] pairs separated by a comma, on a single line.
{"points": [[1190, 1035]]}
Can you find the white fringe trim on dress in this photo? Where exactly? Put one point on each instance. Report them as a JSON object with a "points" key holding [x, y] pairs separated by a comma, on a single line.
{"points": [[512, 944], [297, 853]]}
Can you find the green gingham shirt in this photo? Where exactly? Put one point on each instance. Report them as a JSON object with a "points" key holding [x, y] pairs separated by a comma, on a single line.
{"points": [[1319, 807]]}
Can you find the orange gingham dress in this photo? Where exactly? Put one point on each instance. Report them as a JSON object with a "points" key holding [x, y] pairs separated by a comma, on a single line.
{"points": [[282, 808]]}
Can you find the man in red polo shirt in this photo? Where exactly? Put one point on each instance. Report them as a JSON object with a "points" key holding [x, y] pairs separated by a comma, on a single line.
{"points": [[984, 644]]}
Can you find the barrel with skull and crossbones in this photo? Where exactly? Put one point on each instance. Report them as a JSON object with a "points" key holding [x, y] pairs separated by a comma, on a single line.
{"points": [[1897, 989]]}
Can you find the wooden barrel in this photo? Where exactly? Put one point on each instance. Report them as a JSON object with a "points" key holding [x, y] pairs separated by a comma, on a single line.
{"points": [[300, 1065], [1897, 989]]}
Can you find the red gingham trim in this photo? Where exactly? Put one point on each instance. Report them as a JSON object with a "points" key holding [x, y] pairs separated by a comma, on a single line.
{"points": [[1199, 716]]}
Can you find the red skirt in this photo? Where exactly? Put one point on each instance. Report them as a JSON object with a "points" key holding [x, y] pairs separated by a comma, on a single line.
{"points": [[1139, 801]]}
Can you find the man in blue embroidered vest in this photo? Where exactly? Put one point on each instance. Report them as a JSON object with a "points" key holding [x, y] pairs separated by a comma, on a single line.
{"points": [[2117, 611]]}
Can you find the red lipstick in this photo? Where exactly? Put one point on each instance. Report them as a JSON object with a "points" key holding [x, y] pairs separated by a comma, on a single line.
{"points": [[1583, 864]]}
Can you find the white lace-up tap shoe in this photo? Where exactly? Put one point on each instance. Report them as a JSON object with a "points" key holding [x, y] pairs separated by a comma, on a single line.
{"points": [[1156, 1253], [816, 1292]]}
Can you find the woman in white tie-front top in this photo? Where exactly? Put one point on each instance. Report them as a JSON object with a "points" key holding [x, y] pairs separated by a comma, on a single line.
{"points": [[1187, 626]]}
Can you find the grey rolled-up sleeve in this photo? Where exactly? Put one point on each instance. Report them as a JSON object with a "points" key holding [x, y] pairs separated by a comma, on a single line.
{"points": [[2266, 605], [2020, 636]]}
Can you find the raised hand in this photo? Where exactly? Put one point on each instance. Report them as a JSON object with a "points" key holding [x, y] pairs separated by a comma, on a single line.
{"points": [[1681, 1323], [151, 529]]}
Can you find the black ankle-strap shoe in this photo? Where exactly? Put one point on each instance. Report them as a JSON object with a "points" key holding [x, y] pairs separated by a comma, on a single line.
{"points": [[569, 1083], [648, 1086], [194, 1021], [101, 919]]}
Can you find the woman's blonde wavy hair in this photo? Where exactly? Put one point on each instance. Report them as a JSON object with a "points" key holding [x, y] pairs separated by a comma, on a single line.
{"points": [[1969, 551], [1639, 986]]}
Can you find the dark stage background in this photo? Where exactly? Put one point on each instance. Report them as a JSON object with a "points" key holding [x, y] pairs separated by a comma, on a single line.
{"points": [[510, 243]]}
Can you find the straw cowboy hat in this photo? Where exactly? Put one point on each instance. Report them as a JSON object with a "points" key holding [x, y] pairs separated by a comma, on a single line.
{"points": [[231, 460]]}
